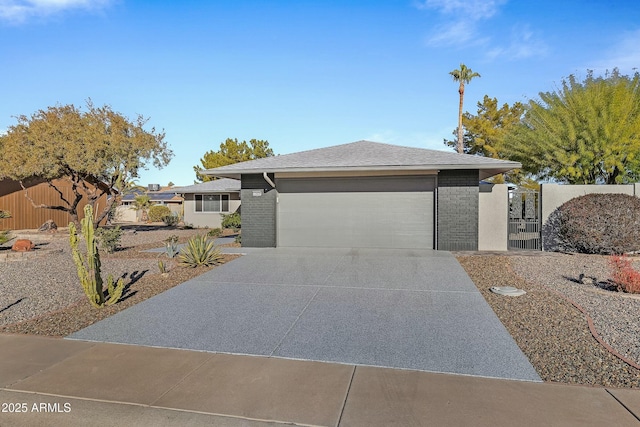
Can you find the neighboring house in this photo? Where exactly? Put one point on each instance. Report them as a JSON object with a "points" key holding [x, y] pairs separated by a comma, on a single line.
{"points": [[363, 194], [25, 216], [168, 196], [205, 203]]}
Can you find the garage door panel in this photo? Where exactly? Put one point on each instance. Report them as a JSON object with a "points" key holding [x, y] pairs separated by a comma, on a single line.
{"points": [[356, 219]]}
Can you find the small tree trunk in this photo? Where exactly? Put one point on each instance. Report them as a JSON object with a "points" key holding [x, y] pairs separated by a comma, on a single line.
{"points": [[460, 131]]}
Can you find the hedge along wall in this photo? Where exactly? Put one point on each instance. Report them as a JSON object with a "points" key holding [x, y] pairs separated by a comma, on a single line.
{"points": [[552, 196]]}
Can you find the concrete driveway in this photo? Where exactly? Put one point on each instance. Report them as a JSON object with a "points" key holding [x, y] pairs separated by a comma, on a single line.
{"points": [[409, 309]]}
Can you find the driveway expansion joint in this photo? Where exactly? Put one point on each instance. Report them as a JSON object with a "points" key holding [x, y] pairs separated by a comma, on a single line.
{"points": [[294, 323]]}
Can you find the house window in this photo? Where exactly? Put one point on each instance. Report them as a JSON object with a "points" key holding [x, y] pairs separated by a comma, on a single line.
{"points": [[212, 202]]}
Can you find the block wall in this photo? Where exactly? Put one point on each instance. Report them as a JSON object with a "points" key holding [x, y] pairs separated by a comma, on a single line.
{"points": [[258, 212], [458, 210]]}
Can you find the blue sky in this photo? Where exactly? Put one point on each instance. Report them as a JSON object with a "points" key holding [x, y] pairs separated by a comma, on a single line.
{"points": [[300, 74]]}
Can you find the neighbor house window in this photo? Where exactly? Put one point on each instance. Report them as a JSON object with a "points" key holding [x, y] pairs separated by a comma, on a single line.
{"points": [[212, 202]]}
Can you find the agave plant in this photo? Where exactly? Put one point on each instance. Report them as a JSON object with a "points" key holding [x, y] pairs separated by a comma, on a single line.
{"points": [[171, 245], [199, 251]]}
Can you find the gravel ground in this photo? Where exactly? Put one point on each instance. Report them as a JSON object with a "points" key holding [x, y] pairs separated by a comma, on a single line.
{"points": [[615, 315], [43, 296], [552, 333]]}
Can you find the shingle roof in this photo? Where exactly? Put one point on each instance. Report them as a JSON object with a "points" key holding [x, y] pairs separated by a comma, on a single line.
{"points": [[224, 185], [366, 156], [154, 196]]}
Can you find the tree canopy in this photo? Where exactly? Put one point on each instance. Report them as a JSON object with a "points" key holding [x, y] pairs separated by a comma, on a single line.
{"points": [[98, 150], [584, 132], [231, 151], [485, 134]]}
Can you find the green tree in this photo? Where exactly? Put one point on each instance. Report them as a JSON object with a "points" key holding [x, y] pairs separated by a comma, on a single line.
{"points": [[584, 132], [485, 134], [99, 151], [463, 76], [142, 203], [231, 151]]}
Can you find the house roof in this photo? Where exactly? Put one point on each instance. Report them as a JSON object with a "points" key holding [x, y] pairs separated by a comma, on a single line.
{"points": [[224, 185], [154, 196], [366, 156]]}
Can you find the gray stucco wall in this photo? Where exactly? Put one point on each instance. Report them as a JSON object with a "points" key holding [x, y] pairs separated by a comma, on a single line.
{"points": [[258, 212], [458, 210]]}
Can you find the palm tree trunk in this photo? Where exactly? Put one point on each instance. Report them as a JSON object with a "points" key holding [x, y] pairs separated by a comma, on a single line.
{"points": [[460, 132]]}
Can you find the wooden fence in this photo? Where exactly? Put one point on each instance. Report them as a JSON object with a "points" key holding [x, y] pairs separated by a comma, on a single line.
{"points": [[25, 216]]}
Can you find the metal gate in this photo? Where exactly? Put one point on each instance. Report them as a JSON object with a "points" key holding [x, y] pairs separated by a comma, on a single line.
{"points": [[524, 220]]}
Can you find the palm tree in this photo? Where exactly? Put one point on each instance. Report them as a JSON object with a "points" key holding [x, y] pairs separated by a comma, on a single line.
{"points": [[142, 202], [464, 76]]}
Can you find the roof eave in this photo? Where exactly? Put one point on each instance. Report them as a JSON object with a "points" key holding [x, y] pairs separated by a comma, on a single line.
{"points": [[487, 169]]}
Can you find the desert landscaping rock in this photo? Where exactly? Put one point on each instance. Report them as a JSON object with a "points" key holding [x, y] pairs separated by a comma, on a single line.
{"points": [[43, 296], [552, 333], [615, 314]]}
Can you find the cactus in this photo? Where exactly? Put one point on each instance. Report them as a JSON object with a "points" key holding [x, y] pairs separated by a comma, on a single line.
{"points": [[89, 269]]}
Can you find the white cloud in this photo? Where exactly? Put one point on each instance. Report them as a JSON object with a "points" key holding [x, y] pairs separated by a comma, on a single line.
{"points": [[471, 9], [19, 11], [624, 55], [461, 24], [461, 18], [524, 44]]}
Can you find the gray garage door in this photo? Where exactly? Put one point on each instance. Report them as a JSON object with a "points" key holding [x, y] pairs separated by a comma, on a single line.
{"points": [[390, 212]]}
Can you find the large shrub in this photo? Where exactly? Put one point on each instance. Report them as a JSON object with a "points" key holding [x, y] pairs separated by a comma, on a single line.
{"points": [[596, 224], [231, 220], [108, 238], [157, 212]]}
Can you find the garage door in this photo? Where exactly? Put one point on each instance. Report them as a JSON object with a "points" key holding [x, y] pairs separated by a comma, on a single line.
{"points": [[390, 212]]}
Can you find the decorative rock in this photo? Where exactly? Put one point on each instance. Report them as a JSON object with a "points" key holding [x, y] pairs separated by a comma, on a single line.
{"points": [[49, 226], [23, 245]]}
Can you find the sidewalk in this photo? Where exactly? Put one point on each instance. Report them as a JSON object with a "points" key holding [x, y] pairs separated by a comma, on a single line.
{"points": [[97, 384]]}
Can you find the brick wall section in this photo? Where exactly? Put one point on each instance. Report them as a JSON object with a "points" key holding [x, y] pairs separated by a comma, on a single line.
{"points": [[457, 210], [258, 212]]}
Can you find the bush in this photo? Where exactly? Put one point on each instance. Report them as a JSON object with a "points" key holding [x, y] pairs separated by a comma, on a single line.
{"points": [[595, 224], [231, 220], [157, 212], [624, 276], [4, 237], [109, 238], [170, 220], [200, 251], [214, 232]]}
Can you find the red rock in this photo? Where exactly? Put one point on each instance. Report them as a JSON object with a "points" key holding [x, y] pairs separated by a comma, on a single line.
{"points": [[23, 245]]}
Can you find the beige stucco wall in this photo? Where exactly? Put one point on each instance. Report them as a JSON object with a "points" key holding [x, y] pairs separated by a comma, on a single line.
{"points": [[207, 219], [125, 214], [493, 212], [554, 195]]}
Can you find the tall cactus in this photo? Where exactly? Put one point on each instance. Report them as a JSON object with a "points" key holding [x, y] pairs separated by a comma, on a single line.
{"points": [[89, 269]]}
